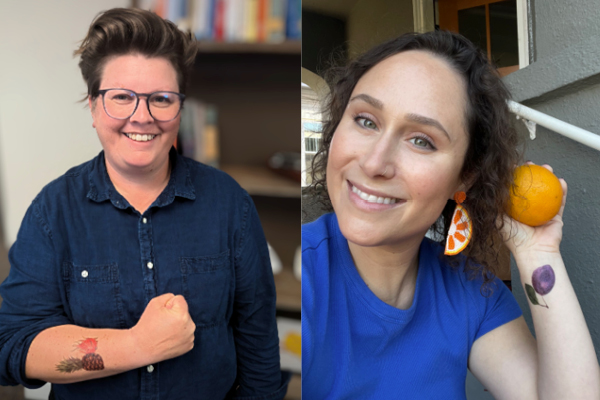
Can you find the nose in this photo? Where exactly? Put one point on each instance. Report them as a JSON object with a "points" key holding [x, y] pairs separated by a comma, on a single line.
{"points": [[378, 159], [142, 114]]}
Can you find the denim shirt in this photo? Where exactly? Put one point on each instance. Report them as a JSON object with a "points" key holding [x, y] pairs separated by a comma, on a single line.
{"points": [[85, 256]]}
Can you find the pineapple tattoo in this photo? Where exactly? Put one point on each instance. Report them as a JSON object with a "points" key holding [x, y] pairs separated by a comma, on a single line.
{"points": [[89, 362]]}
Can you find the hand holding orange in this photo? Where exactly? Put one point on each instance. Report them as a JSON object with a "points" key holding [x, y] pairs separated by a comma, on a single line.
{"points": [[536, 196]]}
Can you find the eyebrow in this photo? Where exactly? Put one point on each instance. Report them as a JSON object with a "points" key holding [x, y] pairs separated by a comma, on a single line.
{"points": [[378, 104], [417, 118], [421, 119]]}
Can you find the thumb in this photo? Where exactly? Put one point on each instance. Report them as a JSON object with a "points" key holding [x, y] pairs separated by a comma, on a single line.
{"points": [[178, 303], [166, 300]]}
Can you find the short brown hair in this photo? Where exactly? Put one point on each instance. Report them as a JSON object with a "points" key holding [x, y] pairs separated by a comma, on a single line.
{"points": [[122, 31], [493, 150]]}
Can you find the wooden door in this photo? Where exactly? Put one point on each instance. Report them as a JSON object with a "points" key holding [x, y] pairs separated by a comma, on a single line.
{"points": [[490, 24]]}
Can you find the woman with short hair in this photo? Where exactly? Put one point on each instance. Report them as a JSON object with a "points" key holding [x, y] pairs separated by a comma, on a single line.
{"points": [[140, 274]]}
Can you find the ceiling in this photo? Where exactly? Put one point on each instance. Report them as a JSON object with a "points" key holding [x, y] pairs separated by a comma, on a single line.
{"points": [[335, 8]]}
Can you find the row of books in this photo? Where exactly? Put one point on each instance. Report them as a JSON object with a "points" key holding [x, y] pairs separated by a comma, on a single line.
{"points": [[198, 132], [233, 20]]}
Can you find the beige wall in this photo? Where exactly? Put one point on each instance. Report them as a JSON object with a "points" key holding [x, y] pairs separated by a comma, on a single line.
{"points": [[43, 129], [373, 21]]}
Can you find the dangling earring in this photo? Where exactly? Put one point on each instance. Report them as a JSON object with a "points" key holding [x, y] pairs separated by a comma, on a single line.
{"points": [[461, 228]]}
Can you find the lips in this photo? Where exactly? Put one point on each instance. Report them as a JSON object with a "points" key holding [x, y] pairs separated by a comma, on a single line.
{"points": [[372, 196], [140, 137]]}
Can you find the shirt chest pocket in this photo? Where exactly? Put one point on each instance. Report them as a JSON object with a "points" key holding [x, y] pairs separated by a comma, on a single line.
{"points": [[207, 287], [94, 295]]}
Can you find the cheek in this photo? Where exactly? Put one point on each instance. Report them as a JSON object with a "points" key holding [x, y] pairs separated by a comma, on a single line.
{"points": [[171, 127], [434, 183], [342, 150]]}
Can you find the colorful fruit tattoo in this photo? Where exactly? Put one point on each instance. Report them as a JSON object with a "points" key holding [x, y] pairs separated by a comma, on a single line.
{"points": [[543, 281], [89, 362]]}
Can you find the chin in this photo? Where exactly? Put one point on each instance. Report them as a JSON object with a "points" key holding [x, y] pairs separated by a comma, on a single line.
{"points": [[140, 161], [363, 234]]}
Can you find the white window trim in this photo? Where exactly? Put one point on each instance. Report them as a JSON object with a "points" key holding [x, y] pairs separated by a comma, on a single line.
{"points": [[523, 32]]}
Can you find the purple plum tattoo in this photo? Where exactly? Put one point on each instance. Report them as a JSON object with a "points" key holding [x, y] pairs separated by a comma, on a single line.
{"points": [[543, 280]]}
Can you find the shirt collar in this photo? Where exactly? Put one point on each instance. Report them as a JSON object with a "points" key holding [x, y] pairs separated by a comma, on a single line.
{"points": [[102, 189]]}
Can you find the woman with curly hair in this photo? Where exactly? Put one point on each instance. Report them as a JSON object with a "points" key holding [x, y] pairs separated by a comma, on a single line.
{"points": [[417, 125]]}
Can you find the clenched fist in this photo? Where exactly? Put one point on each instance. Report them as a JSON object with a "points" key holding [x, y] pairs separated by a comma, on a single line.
{"points": [[165, 330]]}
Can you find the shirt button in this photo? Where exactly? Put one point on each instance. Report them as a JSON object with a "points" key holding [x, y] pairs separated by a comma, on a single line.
{"points": [[150, 265], [144, 220], [150, 368], [84, 273]]}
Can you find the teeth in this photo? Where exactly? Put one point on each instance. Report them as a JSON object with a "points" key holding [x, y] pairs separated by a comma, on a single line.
{"points": [[372, 198], [140, 138]]}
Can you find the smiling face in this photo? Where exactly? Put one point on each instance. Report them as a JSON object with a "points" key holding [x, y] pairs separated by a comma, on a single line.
{"points": [[396, 155], [125, 151]]}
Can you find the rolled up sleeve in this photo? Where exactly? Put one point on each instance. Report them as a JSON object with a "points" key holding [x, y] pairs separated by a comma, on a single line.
{"points": [[32, 299], [256, 340]]}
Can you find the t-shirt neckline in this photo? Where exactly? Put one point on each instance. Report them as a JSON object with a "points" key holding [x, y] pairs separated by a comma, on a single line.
{"points": [[357, 285]]}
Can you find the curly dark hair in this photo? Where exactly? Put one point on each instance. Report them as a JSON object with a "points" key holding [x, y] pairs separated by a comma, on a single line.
{"points": [[122, 31], [493, 149]]}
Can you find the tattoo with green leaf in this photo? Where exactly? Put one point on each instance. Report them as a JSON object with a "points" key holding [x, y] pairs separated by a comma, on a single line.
{"points": [[543, 280], [89, 362]]}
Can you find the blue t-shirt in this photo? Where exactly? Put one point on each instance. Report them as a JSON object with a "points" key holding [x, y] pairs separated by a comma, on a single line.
{"points": [[355, 346], [85, 256]]}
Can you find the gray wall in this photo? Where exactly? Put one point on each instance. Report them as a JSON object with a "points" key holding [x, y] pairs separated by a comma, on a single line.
{"points": [[564, 82]]}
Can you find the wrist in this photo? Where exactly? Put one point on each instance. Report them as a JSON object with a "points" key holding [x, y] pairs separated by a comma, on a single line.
{"points": [[536, 252], [138, 353], [527, 261]]}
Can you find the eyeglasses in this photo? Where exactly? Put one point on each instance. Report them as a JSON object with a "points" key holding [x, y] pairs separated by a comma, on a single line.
{"points": [[122, 103]]}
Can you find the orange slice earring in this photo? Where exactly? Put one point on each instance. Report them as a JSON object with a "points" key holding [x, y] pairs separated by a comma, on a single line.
{"points": [[461, 228]]}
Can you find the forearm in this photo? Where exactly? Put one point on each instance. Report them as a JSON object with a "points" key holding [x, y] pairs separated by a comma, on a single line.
{"points": [[567, 363], [57, 354]]}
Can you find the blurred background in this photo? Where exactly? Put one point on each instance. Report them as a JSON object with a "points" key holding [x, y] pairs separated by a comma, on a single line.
{"points": [[241, 115]]}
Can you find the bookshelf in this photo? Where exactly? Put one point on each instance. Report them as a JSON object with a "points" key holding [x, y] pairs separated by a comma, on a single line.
{"points": [[258, 101], [260, 181], [287, 47], [255, 88]]}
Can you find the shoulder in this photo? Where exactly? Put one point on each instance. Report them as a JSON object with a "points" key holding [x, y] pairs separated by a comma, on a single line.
{"points": [[459, 282], [74, 181], [318, 238], [490, 304], [205, 178], [433, 253], [317, 234]]}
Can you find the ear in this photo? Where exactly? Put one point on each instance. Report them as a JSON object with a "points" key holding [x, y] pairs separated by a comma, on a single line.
{"points": [[463, 186]]}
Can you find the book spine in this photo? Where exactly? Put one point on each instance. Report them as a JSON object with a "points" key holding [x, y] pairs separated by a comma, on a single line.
{"points": [[261, 20], [294, 20], [276, 21], [219, 21], [250, 22], [211, 137]]}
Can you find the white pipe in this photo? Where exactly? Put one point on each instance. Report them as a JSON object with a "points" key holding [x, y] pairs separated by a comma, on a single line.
{"points": [[571, 131]]}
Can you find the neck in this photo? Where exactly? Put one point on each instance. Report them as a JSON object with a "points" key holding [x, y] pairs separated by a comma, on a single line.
{"points": [[390, 272], [140, 188]]}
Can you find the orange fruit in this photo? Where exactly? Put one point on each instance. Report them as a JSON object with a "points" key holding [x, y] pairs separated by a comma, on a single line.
{"points": [[459, 233], [536, 195]]}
